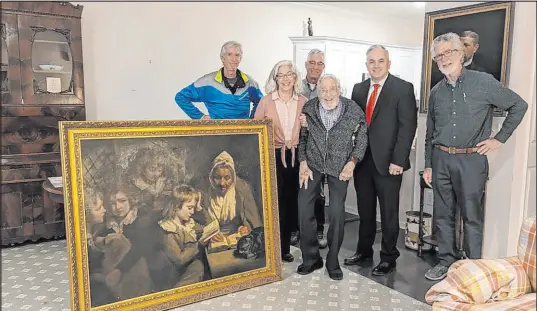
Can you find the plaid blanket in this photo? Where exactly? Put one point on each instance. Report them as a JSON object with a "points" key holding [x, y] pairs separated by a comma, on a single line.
{"points": [[527, 250], [522, 303], [491, 284]]}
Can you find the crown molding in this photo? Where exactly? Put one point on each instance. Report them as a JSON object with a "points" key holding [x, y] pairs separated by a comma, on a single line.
{"points": [[325, 7], [305, 39], [322, 8]]}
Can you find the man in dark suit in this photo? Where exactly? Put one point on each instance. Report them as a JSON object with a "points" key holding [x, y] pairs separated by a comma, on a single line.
{"points": [[391, 113], [470, 41]]}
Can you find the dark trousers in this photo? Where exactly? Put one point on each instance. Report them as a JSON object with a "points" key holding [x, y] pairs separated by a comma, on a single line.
{"points": [[458, 180], [320, 202], [370, 185], [309, 245], [287, 180]]}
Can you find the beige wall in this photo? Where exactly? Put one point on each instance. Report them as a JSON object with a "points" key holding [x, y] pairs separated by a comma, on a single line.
{"points": [[508, 192], [137, 55]]}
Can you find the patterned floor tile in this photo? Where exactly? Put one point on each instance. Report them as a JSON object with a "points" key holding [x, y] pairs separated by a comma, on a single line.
{"points": [[34, 277]]}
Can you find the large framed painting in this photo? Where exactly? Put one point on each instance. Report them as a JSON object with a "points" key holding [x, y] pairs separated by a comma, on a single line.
{"points": [[161, 214], [485, 30]]}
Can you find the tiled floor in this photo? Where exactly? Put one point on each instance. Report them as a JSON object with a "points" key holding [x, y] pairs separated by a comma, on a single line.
{"points": [[34, 277], [409, 276]]}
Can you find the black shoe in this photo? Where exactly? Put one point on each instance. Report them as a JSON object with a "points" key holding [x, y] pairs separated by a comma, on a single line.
{"points": [[302, 269], [288, 257], [357, 259], [336, 275], [294, 238], [384, 268]]}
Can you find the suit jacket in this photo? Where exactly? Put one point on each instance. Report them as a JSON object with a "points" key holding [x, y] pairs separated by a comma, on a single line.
{"points": [[393, 124], [474, 66]]}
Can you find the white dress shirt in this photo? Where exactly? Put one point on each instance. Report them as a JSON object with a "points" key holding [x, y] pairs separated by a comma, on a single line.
{"points": [[372, 88]]}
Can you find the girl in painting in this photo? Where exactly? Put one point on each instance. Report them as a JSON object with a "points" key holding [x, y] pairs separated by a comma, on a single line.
{"points": [[230, 200], [186, 263]]}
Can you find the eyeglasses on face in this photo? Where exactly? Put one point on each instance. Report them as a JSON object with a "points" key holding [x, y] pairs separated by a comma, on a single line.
{"points": [[289, 75], [447, 54], [314, 64], [328, 91]]}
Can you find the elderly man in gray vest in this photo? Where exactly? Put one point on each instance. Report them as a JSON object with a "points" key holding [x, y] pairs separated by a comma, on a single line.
{"points": [[334, 141]]}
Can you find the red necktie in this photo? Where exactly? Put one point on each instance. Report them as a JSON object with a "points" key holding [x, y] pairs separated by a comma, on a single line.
{"points": [[371, 103]]}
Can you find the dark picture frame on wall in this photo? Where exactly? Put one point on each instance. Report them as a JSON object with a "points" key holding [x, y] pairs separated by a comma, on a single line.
{"points": [[491, 21]]}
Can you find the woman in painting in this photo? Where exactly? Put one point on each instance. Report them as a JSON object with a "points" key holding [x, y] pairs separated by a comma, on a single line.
{"points": [[128, 247], [230, 200], [94, 211], [283, 104], [185, 261]]}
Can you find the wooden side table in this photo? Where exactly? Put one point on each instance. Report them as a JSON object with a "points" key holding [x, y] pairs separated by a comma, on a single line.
{"points": [[52, 222], [54, 194]]}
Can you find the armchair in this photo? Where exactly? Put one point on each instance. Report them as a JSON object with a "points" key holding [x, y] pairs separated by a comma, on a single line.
{"points": [[491, 284]]}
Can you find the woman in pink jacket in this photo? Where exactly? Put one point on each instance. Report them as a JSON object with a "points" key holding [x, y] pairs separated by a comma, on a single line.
{"points": [[283, 104]]}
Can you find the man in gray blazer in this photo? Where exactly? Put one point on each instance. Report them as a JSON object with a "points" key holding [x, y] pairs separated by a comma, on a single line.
{"points": [[334, 141]]}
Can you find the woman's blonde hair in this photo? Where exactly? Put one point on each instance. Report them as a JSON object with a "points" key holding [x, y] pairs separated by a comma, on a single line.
{"points": [[272, 85]]}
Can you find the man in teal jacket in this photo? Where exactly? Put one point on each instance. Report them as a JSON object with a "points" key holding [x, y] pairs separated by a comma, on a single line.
{"points": [[227, 92]]}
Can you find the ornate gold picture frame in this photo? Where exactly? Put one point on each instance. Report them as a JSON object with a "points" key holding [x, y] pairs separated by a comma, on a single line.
{"points": [[492, 21], [161, 214]]}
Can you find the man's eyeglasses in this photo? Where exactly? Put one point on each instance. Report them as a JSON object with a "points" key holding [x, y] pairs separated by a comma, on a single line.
{"points": [[328, 91], [289, 75], [447, 53], [313, 64]]}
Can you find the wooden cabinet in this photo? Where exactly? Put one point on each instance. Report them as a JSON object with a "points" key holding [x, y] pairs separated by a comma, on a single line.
{"points": [[42, 83]]}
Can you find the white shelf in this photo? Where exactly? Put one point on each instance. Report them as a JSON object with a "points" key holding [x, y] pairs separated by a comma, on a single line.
{"points": [[52, 71], [51, 41]]}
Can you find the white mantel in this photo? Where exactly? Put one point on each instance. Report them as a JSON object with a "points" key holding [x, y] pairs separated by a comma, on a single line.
{"points": [[345, 40], [345, 58]]}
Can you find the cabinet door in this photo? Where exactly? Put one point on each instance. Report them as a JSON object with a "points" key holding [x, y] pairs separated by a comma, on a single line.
{"points": [[51, 60], [10, 63], [347, 62], [25, 215]]}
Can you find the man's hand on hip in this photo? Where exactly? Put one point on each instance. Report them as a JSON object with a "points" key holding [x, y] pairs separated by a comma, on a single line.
{"points": [[488, 145]]}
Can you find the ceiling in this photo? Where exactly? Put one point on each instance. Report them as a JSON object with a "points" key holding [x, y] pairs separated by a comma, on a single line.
{"points": [[397, 8]]}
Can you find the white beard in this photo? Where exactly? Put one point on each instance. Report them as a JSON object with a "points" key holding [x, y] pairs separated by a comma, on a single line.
{"points": [[447, 70], [326, 105]]}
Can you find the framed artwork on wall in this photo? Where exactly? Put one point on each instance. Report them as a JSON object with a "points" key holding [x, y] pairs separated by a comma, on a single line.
{"points": [[485, 30], [161, 214]]}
